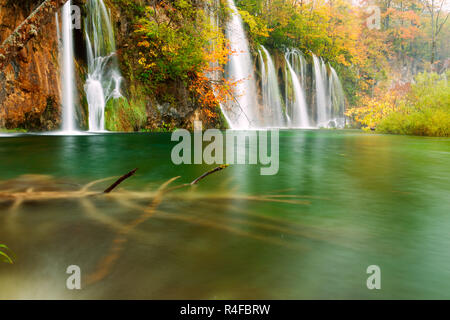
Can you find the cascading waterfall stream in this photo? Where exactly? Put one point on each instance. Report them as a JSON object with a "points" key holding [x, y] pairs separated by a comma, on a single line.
{"points": [[273, 111], [243, 114], [337, 98], [297, 106], [321, 92], [67, 70], [103, 79], [298, 63], [246, 112], [328, 91]]}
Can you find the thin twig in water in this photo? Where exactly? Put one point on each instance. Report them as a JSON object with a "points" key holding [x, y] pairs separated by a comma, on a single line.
{"points": [[120, 180], [208, 173]]}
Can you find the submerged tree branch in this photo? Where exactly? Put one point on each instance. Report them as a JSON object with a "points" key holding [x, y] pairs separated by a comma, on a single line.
{"points": [[115, 251], [219, 168], [120, 180], [150, 200]]}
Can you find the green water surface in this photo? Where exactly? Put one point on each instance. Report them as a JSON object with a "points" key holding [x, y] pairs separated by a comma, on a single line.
{"points": [[362, 200]]}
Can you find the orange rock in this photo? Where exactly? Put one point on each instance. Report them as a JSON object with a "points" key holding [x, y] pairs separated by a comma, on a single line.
{"points": [[29, 85]]}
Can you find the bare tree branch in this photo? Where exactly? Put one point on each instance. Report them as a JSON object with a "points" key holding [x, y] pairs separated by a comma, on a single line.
{"points": [[120, 180]]}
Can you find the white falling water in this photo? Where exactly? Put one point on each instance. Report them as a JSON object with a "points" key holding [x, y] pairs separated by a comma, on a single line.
{"points": [[298, 63], [296, 104], [243, 114], [246, 113], [328, 91], [337, 99], [263, 72], [273, 115], [67, 71], [103, 79], [264, 88], [320, 79], [329, 96]]}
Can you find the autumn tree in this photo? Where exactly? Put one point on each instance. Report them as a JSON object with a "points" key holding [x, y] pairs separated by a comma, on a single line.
{"points": [[438, 18], [177, 42]]}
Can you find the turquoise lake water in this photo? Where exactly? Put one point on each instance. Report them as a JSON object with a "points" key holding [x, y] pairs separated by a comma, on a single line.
{"points": [[341, 201]]}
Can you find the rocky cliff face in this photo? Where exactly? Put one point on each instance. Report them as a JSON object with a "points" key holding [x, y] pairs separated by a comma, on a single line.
{"points": [[171, 105], [29, 91], [30, 96]]}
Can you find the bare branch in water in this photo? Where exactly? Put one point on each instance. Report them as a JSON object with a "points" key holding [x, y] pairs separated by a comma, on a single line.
{"points": [[120, 180], [17, 195], [117, 247], [208, 173]]}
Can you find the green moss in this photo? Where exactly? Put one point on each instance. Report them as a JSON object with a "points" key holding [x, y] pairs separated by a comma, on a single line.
{"points": [[164, 127], [16, 130], [223, 123], [125, 115]]}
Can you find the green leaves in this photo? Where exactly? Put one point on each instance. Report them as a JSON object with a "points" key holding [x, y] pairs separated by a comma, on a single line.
{"points": [[422, 109], [171, 41], [4, 256]]}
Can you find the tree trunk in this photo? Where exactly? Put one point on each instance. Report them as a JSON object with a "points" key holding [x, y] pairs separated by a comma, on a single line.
{"points": [[433, 34], [27, 30], [433, 50]]}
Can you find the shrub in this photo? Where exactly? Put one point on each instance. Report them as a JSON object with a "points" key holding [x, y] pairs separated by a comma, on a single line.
{"points": [[424, 109]]}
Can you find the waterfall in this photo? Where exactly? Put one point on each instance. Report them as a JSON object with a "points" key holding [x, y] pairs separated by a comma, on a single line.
{"points": [[273, 111], [337, 99], [322, 104], [328, 95], [297, 106], [264, 81], [67, 70], [330, 99], [243, 112], [103, 79], [299, 64]]}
